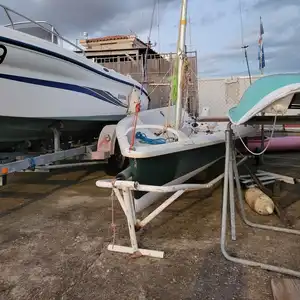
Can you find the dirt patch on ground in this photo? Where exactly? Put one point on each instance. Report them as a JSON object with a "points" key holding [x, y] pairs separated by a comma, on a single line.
{"points": [[54, 237]]}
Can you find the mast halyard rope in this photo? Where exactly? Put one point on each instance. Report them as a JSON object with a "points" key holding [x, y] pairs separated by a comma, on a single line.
{"points": [[190, 31], [138, 105], [158, 27], [148, 45]]}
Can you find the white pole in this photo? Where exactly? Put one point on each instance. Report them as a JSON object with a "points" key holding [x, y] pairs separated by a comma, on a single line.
{"points": [[180, 53], [160, 208], [130, 219], [52, 34]]}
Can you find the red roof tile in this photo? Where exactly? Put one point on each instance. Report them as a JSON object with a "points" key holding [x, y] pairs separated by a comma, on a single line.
{"points": [[110, 38]]}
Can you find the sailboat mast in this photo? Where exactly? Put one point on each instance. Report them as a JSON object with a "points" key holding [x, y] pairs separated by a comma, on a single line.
{"points": [[181, 54]]}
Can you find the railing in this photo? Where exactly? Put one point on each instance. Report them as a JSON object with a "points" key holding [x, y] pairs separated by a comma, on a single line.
{"points": [[158, 57], [54, 33]]}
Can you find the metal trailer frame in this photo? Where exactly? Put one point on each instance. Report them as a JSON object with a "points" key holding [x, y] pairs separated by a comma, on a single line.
{"points": [[43, 163], [231, 178]]}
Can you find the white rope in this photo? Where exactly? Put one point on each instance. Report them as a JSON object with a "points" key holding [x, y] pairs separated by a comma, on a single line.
{"points": [[152, 20], [268, 144], [158, 27], [113, 224], [167, 73], [145, 65], [190, 31]]}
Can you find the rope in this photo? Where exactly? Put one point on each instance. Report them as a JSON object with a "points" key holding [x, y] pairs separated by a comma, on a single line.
{"points": [[138, 105], [190, 31], [268, 144], [161, 80], [185, 82], [158, 27], [142, 136], [137, 110], [32, 163], [148, 46], [113, 225]]}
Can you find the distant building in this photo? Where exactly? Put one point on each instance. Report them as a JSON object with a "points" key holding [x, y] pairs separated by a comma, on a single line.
{"points": [[121, 46]]}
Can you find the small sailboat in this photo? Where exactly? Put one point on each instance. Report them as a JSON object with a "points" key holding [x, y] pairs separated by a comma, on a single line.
{"points": [[167, 146]]}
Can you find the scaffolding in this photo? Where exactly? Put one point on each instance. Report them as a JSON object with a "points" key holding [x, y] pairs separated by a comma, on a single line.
{"points": [[159, 70]]}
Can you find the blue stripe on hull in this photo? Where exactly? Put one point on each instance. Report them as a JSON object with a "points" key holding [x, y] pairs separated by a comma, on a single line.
{"points": [[66, 86], [63, 57]]}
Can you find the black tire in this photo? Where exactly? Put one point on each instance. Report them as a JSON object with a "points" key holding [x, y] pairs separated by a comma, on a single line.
{"points": [[116, 163]]}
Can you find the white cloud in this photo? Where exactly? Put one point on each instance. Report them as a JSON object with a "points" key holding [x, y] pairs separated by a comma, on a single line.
{"points": [[281, 40], [103, 16]]}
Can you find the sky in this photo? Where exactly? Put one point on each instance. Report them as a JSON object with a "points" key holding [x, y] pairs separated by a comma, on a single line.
{"points": [[214, 30]]}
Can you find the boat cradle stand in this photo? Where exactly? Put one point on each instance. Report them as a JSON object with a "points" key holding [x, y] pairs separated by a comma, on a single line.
{"points": [[231, 177], [122, 190]]}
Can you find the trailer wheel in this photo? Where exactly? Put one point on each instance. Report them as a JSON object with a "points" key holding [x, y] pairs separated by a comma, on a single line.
{"points": [[116, 163]]}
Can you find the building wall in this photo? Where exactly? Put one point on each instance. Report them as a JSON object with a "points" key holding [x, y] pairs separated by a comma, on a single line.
{"points": [[220, 94]]}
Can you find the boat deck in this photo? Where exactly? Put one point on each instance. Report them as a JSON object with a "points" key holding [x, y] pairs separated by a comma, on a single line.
{"points": [[54, 230]]}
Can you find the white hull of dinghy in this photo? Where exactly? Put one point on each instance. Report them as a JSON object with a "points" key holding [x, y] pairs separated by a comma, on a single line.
{"points": [[154, 120]]}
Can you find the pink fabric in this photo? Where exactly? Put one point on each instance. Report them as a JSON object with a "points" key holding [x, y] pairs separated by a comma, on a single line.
{"points": [[283, 143]]}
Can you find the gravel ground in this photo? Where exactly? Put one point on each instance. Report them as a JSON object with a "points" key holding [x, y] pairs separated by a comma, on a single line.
{"points": [[55, 228]]}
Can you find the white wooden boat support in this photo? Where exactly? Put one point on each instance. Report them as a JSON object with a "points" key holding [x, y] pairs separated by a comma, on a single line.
{"points": [[123, 189]]}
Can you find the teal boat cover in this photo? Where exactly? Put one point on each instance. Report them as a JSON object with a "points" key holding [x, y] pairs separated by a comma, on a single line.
{"points": [[253, 99]]}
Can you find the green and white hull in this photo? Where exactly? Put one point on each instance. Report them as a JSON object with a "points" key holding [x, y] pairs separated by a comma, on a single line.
{"points": [[175, 161], [163, 169]]}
